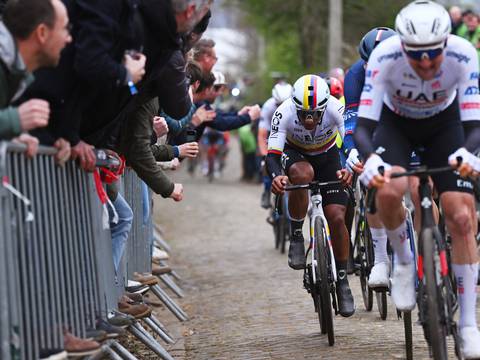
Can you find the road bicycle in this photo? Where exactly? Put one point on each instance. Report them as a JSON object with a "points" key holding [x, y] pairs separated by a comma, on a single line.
{"points": [[436, 295], [320, 274], [280, 222]]}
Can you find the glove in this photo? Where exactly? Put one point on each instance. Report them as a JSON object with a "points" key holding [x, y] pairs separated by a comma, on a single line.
{"points": [[352, 160], [370, 169], [467, 159]]}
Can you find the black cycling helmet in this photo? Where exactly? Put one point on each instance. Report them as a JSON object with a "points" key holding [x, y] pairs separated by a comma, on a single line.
{"points": [[372, 39]]}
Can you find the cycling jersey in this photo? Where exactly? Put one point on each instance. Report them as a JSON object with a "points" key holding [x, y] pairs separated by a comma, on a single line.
{"points": [[287, 129], [391, 80], [266, 115], [354, 81]]}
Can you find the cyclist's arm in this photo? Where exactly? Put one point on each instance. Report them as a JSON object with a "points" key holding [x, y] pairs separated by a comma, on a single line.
{"points": [[469, 101], [353, 90], [338, 114], [276, 143]]}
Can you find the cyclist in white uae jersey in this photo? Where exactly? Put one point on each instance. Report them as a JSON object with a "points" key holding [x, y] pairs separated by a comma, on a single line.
{"points": [[302, 144], [421, 89], [280, 92]]}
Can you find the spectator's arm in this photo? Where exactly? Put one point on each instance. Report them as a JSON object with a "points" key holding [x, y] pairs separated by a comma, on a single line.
{"points": [[229, 121], [175, 127], [9, 123], [164, 152]]}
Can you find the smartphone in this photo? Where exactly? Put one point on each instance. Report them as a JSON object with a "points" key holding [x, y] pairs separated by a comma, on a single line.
{"points": [[191, 135]]}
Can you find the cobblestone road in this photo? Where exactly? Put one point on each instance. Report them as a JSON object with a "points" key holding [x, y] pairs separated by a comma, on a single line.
{"points": [[244, 301]]}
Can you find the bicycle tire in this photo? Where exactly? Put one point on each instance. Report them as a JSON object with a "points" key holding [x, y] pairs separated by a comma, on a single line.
{"points": [[364, 242], [382, 303], [322, 254], [276, 230], [284, 224], [407, 327], [434, 326]]}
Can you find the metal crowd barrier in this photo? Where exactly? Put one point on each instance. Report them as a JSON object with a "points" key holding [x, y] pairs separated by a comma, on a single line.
{"points": [[56, 264]]}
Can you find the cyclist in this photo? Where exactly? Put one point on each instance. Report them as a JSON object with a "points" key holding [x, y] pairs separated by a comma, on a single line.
{"points": [[421, 88], [280, 92], [336, 88], [354, 83], [302, 143]]}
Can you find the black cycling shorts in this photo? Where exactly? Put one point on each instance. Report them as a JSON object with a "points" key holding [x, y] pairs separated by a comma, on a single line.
{"points": [[439, 136], [325, 167]]}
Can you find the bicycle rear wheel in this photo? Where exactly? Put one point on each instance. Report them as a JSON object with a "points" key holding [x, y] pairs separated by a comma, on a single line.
{"points": [[322, 255], [434, 323], [382, 303], [284, 224], [407, 326], [364, 249]]}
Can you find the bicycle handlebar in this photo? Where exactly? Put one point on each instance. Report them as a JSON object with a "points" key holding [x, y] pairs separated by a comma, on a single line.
{"points": [[312, 185]]}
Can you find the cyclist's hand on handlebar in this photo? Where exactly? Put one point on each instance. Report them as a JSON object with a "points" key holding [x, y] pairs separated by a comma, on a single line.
{"points": [[346, 177], [371, 175], [279, 183], [353, 163], [466, 163]]}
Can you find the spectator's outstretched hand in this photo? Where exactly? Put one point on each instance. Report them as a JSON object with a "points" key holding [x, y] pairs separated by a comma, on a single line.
{"points": [[188, 150], [244, 110], [135, 65], [64, 151], [177, 193], [254, 112], [203, 115], [85, 155], [160, 126], [31, 142], [33, 114]]}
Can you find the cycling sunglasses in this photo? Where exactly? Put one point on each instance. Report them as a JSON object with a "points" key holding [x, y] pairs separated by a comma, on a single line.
{"points": [[422, 54], [315, 115]]}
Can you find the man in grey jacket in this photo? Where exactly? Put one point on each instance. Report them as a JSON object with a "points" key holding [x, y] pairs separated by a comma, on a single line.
{"points": [[32, 35]]}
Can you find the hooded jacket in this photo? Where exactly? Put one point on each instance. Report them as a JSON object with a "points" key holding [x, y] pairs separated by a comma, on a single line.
{"points": [[14, 79]]}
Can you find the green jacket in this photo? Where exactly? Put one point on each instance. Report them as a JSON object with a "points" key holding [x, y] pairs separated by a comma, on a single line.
{"points": [[474, 37], [141, 155], [14, 79]]}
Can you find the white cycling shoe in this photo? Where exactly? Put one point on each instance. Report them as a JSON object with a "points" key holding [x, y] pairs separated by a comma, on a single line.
{"points": [[470, 342], [379, 276], [403, 286]]}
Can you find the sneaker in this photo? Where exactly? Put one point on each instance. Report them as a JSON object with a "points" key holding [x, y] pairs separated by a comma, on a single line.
{"points": [[53, 354], [135, 297], [96, 335], [296, 252], [116, 318], [110, 330], [346, 305], [161, 270], [146, 279], [470, 342], [403, 286], [79, 347], [265, 202], [379, 276]]}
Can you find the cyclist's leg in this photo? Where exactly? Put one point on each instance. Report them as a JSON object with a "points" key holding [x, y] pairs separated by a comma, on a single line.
{"points": [[299, 171], [458, 204], [391, 140], [380, 272]]}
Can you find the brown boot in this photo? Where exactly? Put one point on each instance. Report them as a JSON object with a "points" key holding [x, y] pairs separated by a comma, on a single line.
{"points": [[79, 347], [160, 270], [134, 297], [138, 311], [146, 279]]}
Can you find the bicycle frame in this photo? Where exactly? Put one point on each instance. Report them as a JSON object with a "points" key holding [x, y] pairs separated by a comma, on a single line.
{"points": [[317, 211]]}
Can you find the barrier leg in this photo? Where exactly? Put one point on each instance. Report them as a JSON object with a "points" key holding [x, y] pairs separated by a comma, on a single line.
{"points": [[169, 303], [140, 333], [159, 324], [161, 241], [167, 280], [124, 353], [158, 331]]}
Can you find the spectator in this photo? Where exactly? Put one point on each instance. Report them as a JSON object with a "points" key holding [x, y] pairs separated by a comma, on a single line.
{"points": [[470, 29], [456, 17], [204, 54], [32, 35]]}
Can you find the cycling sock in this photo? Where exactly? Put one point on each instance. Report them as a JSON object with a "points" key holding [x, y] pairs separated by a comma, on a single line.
{"points": [[400, 243], [379, 239], [296, 226], [341, 270], [466, 276]]}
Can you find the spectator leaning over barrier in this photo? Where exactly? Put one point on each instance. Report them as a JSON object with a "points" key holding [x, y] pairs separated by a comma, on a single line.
{"points": [[32, 35], [204, 54], [470, 29], [456, 18]]}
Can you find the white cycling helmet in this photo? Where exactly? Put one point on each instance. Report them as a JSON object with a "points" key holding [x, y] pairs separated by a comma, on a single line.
{"points": [[310, 93], [423, 24], [281, 92]]}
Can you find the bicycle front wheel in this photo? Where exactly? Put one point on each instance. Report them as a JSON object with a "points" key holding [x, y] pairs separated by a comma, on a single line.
{"points": [[434, 326], [322, 271]]}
